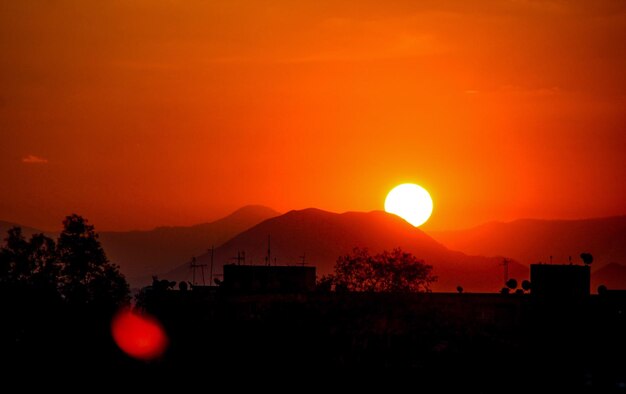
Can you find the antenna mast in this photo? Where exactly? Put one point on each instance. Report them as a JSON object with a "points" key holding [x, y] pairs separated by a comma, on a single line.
{"points": [[505, 263], [241, 257], [303, 257], [194, 266], [211, 273], [268, 258]]}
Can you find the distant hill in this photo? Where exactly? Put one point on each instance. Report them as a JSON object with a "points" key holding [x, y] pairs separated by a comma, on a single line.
{"points": [[141, 254], [27, 231], [612, 275], [323, 236], [530, 241]]}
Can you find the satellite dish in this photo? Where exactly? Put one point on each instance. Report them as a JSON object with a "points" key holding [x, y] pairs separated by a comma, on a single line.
{"points": [[587, 258], [511, 283]]}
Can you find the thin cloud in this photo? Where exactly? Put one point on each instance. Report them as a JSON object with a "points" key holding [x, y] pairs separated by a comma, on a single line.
{"points": [[32, 159]]}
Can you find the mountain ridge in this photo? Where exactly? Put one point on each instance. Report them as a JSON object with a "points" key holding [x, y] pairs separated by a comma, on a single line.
{"points": [[164, 249], [323, 236], [147, 252], [5, 226], [535, 240]]}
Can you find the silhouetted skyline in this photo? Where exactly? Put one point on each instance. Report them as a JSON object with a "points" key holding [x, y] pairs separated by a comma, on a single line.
{"points": [[197, 191]]}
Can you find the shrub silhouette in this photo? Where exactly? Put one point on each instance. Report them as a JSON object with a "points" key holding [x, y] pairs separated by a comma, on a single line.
{"points": [[74, 270], [395, 271]]}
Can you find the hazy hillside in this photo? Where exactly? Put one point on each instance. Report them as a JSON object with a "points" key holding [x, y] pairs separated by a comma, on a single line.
{"points": [[27, 231], [529, 241], [612, 275], [143, 253], [323, 236]]}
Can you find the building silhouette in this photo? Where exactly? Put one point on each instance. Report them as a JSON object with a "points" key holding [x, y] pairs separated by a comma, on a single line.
{"points": [[560, 281]]}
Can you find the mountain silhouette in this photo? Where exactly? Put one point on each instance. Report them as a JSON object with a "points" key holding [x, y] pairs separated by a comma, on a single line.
{"points": [[612, 275], [530, 241], [27, 231], [324, 236], [141, 254]]}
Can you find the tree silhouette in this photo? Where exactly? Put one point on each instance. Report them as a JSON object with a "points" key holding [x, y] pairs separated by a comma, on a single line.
{"points": [[395, 271], [459, 289], [325, 283], [29, 264], [526, 285], [74, 270], [57, 299], [14, 264], [87, 276]]}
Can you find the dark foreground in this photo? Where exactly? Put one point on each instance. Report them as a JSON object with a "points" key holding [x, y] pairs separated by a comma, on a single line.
{"points": [[486, 342]]}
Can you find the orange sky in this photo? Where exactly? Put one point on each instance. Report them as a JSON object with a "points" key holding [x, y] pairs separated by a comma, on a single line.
{"points": [[143, 113]]}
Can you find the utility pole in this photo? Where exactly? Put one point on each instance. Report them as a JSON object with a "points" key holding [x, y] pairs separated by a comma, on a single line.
{"points": [[505, 263], [211, 273], [241, 257], [193, 271], [268, 258], [194, 266]]}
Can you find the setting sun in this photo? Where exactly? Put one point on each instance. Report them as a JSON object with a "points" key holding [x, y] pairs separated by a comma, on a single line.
{"points": [[411, 202]]}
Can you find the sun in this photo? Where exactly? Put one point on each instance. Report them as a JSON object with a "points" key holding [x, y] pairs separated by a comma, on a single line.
{"points": [[411, 202]]}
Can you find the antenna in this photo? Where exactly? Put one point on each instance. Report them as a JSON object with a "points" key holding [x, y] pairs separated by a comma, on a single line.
{"points": [[211, 273], [193, 270], [505, 263], [194, 266], [268, 258], [241, 257], [550, 259]]}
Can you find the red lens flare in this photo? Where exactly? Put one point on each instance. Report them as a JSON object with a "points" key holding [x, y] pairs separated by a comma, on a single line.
{"points": [[140, 336]]}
